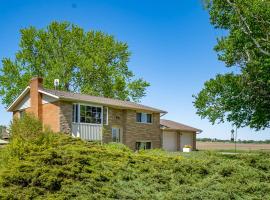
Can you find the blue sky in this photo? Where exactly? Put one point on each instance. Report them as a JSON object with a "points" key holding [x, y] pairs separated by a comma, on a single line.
{"points": [[171, 43]]}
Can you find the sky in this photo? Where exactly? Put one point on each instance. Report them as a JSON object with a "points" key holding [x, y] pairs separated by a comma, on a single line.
{"points": [[171, 44]]}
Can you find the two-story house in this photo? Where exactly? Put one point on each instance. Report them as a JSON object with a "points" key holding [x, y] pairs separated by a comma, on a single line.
{"points": [[99, 118]]}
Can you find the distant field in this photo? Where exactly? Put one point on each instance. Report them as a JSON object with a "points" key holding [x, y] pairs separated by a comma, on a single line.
{"points": [[230, 146]]}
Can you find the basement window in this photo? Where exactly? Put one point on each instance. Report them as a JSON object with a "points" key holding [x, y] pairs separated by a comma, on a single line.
{"points": [[143, 145]]}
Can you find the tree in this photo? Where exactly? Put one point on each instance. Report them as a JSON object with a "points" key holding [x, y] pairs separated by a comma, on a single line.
{"points": [[242, 98], [88, 62]]}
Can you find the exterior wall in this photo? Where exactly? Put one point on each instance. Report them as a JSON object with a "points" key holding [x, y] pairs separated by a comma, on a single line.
{"points": [[194, 142], [65, 116], [135, 132], [116, 118], [178, 140], [50, 116], [132, 131]]}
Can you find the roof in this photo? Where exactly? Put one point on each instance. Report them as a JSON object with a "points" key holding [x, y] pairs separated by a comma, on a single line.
{"points": [[172, 125], [98, 100]]}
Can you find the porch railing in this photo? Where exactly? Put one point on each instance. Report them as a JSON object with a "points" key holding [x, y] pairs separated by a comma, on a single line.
{"points": [[91, 132]]}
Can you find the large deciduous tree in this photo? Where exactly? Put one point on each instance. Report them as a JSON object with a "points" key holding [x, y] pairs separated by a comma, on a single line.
{"points": [[88, 62], [242, 98]]}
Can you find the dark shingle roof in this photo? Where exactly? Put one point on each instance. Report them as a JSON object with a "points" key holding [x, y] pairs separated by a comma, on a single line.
{"points": [[100, 100], [171, 125]]}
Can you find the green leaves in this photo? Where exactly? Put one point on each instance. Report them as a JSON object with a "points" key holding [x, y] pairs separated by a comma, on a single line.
{"points": [[89, 62], [242, 98]]}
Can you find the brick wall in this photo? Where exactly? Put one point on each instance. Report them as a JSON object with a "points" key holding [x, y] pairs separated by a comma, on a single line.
{"points": [[132, 131], [136, 132], [116, 118], [50, 116]]}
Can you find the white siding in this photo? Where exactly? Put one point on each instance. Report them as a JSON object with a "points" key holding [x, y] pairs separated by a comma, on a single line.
{"points": [[89, 132], [25, 103]]}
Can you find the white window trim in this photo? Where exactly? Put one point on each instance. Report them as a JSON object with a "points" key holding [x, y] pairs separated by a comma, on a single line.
{"points": [[79, 114], [107, 116]]}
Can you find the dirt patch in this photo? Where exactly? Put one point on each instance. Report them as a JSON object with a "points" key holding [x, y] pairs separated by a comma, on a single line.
{"points": [[229, 146]]}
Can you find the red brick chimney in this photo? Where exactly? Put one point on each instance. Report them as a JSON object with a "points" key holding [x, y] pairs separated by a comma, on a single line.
{"points": [[36, 97]]}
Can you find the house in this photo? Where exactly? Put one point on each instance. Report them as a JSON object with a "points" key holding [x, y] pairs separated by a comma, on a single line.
{"points": [[99, 118]]}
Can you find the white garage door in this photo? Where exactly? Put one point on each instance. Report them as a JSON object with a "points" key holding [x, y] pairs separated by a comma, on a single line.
{"points": [[170, 141], [186, 139]]}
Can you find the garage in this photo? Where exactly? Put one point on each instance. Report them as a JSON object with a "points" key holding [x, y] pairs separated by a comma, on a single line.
{"points": [[186, 139], [176, 135], [170, 140]]}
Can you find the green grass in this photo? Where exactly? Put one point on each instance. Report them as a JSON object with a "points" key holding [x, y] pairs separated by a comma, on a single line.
{"points": [[55, 166]]}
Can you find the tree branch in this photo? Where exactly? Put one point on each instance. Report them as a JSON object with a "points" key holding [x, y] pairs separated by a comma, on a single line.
{"points": [[248, 30]]}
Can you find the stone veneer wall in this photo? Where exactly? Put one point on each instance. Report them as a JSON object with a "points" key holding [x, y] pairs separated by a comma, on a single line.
{"points": [[65, 116]]}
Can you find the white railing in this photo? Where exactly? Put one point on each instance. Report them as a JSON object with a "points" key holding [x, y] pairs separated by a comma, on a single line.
{"points": [[89, 132]]}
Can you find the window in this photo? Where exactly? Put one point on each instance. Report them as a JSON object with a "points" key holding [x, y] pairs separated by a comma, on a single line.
{"points": [[143, 145], [105, 115], [144, 118], [75, 113], [116, 135], [86, 114]]}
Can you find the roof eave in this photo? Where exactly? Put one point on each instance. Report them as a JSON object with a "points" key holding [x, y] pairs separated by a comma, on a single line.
{"points": [[14, 103], [125, 107]]}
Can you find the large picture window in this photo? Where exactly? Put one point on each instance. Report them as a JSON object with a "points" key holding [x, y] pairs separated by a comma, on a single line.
{"points": [[87, 114], [144, 117]]}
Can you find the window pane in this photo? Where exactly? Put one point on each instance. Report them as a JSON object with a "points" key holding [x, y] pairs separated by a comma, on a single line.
{"points": [[82, 109], [138, 117], [143, 145], [90, 114], [116, 134], [148, 145], [149, 118], [105, 115], [82, 119], [144, 118]]}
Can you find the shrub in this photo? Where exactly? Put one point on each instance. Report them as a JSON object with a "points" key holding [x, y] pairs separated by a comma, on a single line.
{"points": [[56, 166]]}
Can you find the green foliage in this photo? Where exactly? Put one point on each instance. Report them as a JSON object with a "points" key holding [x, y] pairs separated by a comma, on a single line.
{"points": [[89, 62], [56, 166], [242, 98]]}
